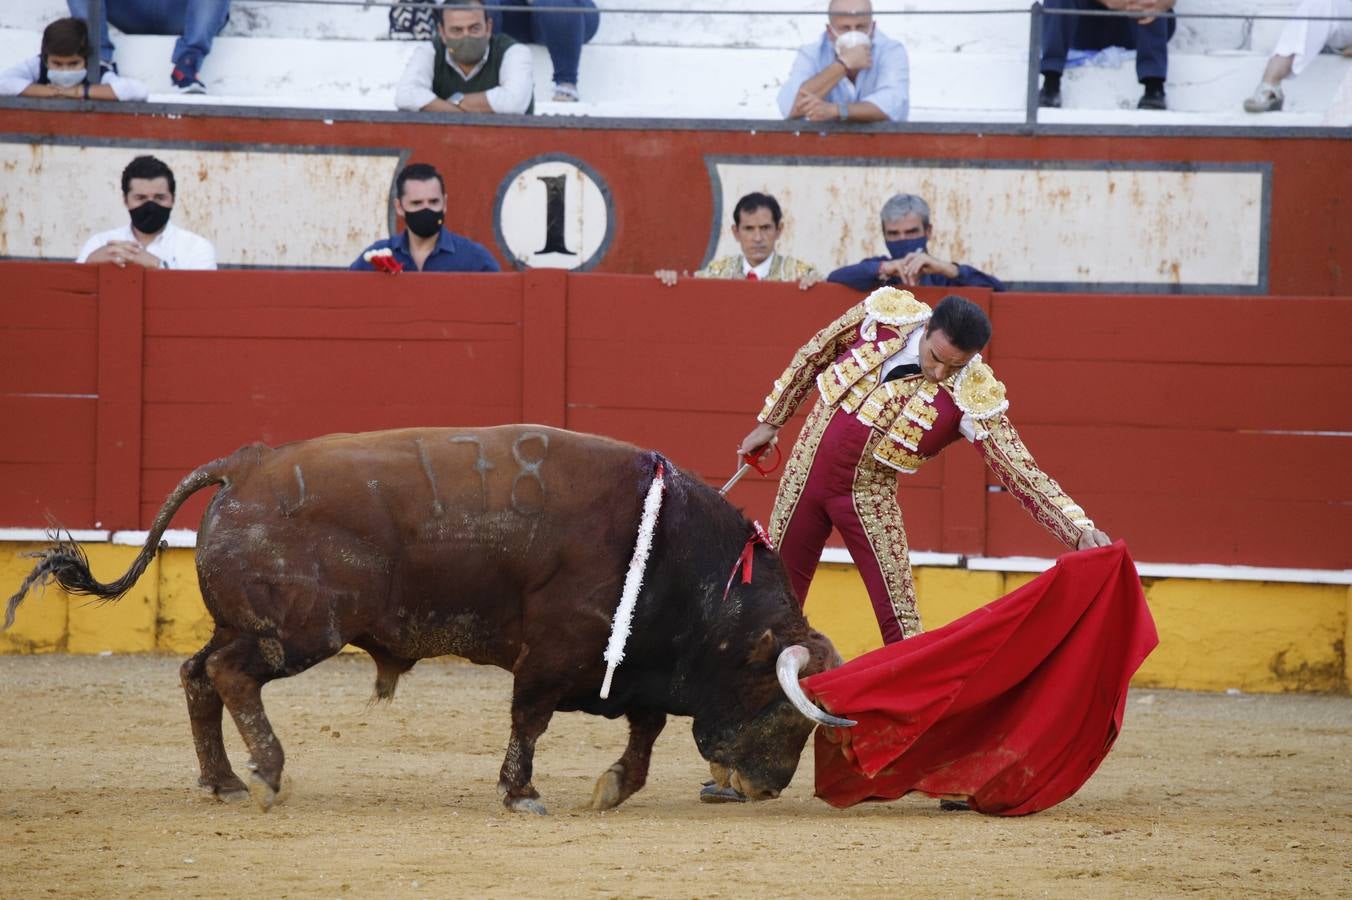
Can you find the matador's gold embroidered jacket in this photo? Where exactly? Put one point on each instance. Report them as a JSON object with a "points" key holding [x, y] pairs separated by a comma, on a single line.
{"points": [[782, 268], [844, 362]]}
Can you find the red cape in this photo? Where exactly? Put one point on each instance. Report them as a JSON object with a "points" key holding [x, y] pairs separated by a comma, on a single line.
{"points": [[1012, 706]]}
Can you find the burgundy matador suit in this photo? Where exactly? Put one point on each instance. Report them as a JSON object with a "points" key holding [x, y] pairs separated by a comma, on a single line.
{"points": [[863, 430]]}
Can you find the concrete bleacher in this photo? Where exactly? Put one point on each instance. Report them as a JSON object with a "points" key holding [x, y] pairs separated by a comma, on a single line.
{"points": [[706, 65]]}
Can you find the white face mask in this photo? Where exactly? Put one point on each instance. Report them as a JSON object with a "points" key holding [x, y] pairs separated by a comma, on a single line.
{"points": [[851, 39], [66, 77]]}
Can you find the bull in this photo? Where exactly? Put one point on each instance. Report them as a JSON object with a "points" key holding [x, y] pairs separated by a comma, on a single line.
{"points": [[507, 546]]}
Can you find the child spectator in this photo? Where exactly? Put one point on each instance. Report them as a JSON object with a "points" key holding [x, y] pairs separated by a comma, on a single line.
{"points": [[59, 69]]}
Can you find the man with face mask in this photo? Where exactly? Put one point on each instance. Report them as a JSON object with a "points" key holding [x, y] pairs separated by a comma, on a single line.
{"points": [[466, 68], [149, 239], [906, 231], [58, 71], [853, 73], [425, 245]]}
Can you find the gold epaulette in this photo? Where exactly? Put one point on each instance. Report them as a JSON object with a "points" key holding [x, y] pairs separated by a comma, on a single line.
{"points": [[891, 306], [977, 391]]}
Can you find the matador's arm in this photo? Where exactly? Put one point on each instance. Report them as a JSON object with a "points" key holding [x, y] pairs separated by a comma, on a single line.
{"points": [[800, 377], [1045, 500]]}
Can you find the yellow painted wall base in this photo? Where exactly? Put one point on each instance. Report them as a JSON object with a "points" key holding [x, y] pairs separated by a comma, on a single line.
{"points": [[1214, 635]]}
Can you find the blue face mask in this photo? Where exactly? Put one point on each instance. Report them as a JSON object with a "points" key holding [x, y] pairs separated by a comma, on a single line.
{"points": [[898, 249]]}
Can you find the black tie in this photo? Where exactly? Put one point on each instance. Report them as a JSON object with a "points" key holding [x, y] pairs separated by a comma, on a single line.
{"points": [[902, 371]]}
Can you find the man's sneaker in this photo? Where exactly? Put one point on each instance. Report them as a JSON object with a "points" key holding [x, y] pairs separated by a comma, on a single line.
{"points": [[1266, 98], [185, 77]]}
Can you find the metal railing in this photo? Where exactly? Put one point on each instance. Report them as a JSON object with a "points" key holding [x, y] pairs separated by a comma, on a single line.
{"points": [[1035, 12]]}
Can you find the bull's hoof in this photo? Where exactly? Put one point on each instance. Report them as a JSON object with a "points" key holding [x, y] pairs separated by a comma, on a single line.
{"points": [[609, 791], [526, 805], [712, 793], [264, 794], [231, 791]]}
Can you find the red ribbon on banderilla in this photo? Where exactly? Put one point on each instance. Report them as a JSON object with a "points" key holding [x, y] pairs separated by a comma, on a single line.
{"points": [[745, 558]]}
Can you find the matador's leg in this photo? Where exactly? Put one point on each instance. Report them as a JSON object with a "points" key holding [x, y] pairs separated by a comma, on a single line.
{"points": [[799, 526], [876, 537]]}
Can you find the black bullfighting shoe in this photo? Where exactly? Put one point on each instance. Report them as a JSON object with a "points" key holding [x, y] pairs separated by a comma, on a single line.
{"points": [[954, 805]]}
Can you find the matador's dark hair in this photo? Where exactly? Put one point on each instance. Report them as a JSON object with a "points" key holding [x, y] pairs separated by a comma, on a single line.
{"points": [[966, 324]]}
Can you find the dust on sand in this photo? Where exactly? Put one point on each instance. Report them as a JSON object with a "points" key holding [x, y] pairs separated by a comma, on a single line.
{"points": [[1204, 794]]}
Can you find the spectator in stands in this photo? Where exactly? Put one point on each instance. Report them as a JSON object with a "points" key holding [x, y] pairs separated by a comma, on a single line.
{"points": [[1146, 33], [467, 68], [562, 34], [854, 73], [150, 239], [196, 22], [906, 231], [1300, 40], [59, 69], [425, 245], [757, 224]]}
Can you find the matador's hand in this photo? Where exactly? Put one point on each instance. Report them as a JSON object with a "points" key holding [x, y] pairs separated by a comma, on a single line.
{"points": [[761, 435], [1092, 537]]}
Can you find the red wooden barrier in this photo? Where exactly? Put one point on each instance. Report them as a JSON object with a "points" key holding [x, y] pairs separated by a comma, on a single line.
{"points": [[1202, 429]]}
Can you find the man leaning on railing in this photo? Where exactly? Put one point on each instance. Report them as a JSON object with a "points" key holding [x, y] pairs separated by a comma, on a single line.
{"points": [[853, 73], [466, 68]]}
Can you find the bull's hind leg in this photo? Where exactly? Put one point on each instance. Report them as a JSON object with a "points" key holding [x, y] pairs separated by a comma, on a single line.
{"points": [[630, 772], [238, 671], [204, 713]]}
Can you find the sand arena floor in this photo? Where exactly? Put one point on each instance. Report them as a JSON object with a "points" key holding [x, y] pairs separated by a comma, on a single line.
{"points": [[1205, 794]]}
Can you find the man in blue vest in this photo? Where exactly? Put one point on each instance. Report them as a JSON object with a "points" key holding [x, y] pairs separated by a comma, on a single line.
{"points": [[467, 68], [425, 245]]}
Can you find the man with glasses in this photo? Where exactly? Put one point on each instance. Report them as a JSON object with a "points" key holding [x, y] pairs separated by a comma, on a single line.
{"points": [[853, 73], [466, 68]]}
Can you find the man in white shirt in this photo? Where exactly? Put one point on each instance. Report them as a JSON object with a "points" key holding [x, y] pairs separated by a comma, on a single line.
{"points": [[852, 73], [149, 239], [467, 68]]}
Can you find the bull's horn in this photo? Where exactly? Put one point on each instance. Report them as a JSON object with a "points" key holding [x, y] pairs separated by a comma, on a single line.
{"points": [[790, 663]]}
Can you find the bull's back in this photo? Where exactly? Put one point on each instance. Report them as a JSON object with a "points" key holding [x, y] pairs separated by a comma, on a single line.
{"points": [[417, 524]]}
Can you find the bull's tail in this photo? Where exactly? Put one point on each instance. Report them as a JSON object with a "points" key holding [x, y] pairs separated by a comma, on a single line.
{"points": [[67, 565]]}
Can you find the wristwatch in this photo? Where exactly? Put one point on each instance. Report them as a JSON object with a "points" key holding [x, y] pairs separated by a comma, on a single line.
{"points": [[455, 98], [843, 111]]}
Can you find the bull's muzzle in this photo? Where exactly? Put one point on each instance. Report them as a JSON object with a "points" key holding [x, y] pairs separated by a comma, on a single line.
{"points": [[791, 661]]}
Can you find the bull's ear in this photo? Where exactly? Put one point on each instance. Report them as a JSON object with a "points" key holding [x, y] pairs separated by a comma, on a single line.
{"points": [[766, 649]]}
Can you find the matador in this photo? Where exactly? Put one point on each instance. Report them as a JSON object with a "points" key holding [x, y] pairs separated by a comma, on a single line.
{"points": [[897, 383]]}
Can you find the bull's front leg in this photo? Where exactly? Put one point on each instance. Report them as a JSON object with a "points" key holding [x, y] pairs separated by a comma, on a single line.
{"points": [[630, 772], [531, 712]]}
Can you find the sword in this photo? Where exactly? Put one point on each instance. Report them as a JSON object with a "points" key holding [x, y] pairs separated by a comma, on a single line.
{"points": [[749, 461]]}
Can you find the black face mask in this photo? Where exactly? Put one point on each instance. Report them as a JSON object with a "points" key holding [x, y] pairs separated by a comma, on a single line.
{"points": [[424, 222], [150, 217]]}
